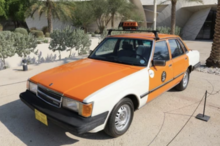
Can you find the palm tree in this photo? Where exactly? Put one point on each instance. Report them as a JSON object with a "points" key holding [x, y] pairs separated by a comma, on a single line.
{"points": [[59, 9], [214, 58], [2, 8], [173, 12], [140, 10], [122, 7]]}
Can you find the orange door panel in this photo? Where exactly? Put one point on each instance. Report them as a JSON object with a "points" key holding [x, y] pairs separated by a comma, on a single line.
{"points": [[161, 81], [180, 60], [180, 65]]}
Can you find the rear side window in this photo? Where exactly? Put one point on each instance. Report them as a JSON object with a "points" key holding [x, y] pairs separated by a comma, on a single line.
{"points": [[184, 47], [175, 48], [161, 51]]}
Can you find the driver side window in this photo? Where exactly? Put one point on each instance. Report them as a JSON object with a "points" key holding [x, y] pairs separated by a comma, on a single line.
{"points": [[161, 51]]}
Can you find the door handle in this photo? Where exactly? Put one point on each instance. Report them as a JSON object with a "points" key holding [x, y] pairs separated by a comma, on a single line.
{"points": [[170, 65], [186, 58]]}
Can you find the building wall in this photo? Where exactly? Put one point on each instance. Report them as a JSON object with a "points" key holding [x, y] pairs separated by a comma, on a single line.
{"points": [[40, 22], [194, 24], [190, 16]]}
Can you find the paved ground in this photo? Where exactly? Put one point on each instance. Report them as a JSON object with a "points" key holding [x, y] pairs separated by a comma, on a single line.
{"points": [[169, 117]]}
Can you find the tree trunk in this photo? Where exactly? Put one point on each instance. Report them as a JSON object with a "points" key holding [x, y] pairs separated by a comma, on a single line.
{"points": [[4, 64], [113, 20], [59, 55], [173, 16], [70, 53], [214, 59], [49, 17]]}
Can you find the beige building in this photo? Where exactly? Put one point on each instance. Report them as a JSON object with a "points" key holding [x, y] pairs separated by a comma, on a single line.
{"points": [[196, 20]]}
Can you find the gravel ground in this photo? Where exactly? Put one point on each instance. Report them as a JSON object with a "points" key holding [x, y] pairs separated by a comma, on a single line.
{"points": [[204, 69]]}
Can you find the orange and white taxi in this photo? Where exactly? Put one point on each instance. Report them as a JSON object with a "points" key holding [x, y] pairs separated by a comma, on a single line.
{"points": [[120, 76]]}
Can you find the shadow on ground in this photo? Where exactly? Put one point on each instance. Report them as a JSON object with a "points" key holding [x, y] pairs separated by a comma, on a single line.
{"points": [[20, 121]]}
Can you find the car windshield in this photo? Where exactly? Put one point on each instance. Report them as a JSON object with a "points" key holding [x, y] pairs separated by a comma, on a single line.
{"points": [[124, 50]]}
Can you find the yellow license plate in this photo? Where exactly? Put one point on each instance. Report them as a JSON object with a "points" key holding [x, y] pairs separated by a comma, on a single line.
{"points": [[41, 117]]}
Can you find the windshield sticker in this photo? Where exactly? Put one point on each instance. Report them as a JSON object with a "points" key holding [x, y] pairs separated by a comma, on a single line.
{"points": [[151, 73], [142, 61]]}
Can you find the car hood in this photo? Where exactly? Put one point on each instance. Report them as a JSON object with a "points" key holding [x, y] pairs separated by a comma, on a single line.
{"points": [[79, 79]]}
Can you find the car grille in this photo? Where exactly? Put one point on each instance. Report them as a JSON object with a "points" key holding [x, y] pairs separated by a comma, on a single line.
{"points": [[49, 96]]}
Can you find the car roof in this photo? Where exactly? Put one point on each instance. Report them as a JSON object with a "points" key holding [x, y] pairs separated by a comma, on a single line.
{"points": [[149, 36]]}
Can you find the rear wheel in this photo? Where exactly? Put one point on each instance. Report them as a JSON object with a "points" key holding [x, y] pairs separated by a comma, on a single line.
{"points": [[120, 118], [184, 83]]}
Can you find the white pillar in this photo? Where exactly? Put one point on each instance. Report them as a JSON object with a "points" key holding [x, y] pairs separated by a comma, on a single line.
{"points": [[155, 14]]}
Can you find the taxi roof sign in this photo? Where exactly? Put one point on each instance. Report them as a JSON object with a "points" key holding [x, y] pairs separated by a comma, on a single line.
{"points": [[132, 25]]}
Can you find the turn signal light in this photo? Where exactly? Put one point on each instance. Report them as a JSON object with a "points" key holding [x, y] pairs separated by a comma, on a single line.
{"points": [[87, 110]]}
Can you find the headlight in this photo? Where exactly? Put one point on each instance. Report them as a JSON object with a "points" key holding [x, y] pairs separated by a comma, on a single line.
{"points": [[82, 109], [32, 87], [70, 104]]}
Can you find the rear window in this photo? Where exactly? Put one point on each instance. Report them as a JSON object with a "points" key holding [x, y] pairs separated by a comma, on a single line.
{"points": [[175, 48]]}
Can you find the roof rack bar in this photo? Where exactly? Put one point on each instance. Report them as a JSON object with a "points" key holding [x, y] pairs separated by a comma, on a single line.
{"points": [[155, 32]]}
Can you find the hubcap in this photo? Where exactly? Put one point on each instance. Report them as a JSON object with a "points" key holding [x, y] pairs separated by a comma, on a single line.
{"points": [[185, 79], [122, 117]]}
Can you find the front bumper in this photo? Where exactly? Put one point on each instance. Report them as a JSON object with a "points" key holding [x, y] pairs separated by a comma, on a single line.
{"points": [[63, 117]]}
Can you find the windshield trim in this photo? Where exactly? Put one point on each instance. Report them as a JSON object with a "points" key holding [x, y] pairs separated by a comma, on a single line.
{"points": [[105, 39]]}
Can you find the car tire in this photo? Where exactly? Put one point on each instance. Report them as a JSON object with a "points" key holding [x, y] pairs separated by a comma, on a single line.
{"points": [[120, 118], [184, 83]]}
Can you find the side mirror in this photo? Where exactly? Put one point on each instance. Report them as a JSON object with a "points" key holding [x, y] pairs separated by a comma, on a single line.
{"points": [[159, 63]]}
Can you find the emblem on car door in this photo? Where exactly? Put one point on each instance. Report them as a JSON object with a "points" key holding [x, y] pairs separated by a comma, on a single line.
{"points": [[163, 76], [51, 84]]}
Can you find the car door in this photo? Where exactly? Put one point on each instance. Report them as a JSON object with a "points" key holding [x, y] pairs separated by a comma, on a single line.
{"points": [[179, 58], [160, 77]]}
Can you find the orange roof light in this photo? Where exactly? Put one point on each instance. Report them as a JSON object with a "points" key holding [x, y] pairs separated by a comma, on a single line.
{"points": [[129, 25]]}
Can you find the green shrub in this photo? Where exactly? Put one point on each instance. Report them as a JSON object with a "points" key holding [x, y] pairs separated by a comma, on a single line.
{"points": [[5, 32], [45, 41], [93, 34], [47, 35], [21, 30], [69, 39], [37, 33], [7, 47], [45, 29], [97, 32], [25, 44], [1, 27], [166, 30], [33, 28]]}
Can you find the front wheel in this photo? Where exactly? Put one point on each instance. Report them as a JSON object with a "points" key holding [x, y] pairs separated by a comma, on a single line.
{"points": [[184, 83], [120, 118]]}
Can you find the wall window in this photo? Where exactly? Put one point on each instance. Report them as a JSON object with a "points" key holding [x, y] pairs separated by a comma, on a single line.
{"points": [[175, 48], [161, 51]]}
